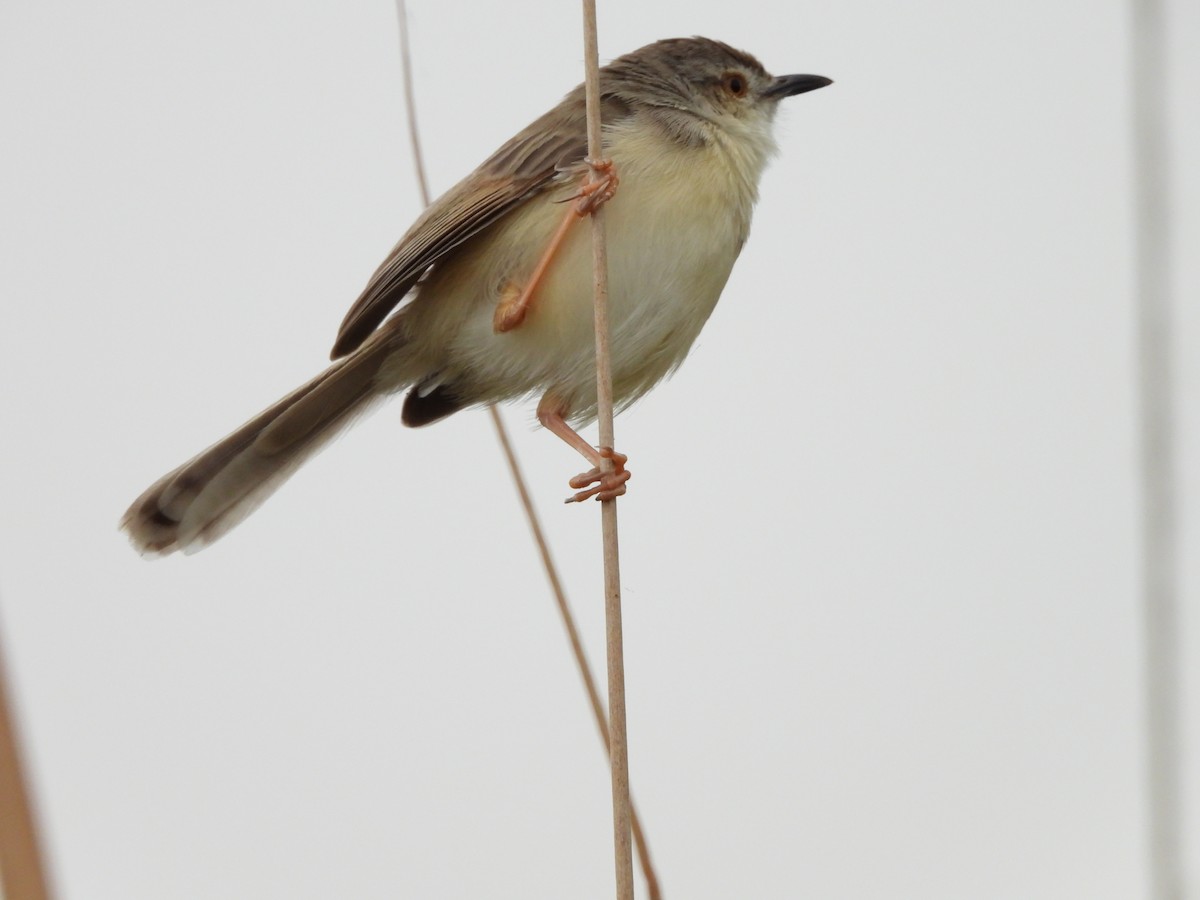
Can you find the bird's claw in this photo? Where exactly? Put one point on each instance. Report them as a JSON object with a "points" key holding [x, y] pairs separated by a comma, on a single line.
{"points": [[594, 194], [608, 485]]}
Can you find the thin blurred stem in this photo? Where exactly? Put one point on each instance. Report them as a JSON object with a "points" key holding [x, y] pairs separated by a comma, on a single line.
{"points": [[1151, 134], [410, 104], [22, 871]]}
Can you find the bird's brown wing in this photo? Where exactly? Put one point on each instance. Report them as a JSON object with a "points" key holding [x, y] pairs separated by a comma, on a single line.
{"points": [[521, 169]]}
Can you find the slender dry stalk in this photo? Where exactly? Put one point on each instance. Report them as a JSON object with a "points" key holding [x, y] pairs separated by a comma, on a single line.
{"points": [[531, 516], [22, 872], [1156, 391], [410, 108], [589, 682], [618, 739]]}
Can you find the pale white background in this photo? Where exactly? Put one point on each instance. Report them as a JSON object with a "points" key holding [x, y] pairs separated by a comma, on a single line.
{"points": [[880, 549]]}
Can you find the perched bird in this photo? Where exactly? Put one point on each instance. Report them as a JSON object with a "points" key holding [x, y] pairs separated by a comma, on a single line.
{"points": [[488, 297]]}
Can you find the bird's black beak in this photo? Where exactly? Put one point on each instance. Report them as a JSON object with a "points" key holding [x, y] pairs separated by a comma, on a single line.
{"points": [[790, 85]]}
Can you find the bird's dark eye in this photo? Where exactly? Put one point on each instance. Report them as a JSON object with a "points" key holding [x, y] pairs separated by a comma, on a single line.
{"points": [[735, 83]]}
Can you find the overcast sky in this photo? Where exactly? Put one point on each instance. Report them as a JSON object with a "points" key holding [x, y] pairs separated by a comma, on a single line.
{"points": [[880, 550]]}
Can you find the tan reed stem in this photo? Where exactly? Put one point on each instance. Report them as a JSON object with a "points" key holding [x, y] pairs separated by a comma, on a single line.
{"points": [[618, 738], [585, 671], [22, 872], [531, 516]]}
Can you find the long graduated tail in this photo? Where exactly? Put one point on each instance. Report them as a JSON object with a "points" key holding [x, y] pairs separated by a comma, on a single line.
{"points": [[191, 507]]}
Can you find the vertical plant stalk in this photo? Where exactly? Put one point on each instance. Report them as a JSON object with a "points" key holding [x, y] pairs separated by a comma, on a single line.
{"points": [[22, 871], [410, 106], [564, 609], [618, 739], [535, 526], [1160, 592]]}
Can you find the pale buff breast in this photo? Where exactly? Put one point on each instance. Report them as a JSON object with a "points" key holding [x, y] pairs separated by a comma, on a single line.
{"points": [[675, 228]]}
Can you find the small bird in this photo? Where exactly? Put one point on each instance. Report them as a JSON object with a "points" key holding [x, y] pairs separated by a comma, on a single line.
{"points": [[488, 296]]}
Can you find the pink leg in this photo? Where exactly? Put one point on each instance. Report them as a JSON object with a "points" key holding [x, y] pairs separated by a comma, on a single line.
{"points": [[515, 302], [609, 485]]}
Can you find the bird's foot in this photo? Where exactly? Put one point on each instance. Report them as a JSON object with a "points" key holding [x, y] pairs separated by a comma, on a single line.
{"points": [[608, 485], [595, 192]]}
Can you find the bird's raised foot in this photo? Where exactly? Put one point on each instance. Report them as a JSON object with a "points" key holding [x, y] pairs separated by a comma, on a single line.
{"points": [[608, 485], [515, 300], [594, 193]]}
